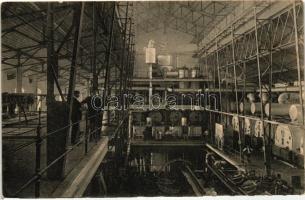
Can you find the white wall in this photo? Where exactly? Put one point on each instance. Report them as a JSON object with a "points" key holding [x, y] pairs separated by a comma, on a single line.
{"points": [[172, 42]]}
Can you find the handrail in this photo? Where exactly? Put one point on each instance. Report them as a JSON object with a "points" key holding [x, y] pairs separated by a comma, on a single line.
{"points": [[39, 139]]}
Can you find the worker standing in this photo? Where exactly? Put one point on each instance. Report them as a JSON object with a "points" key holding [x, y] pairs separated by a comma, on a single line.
{"points": [[93, 116], [75, 118]]}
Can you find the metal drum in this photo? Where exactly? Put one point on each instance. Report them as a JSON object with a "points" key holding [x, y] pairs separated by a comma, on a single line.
{"points": [[235, 123], [137, 117], [288, 98], [258, 129], [245, 107], [175, 117], [195, 118], [289, 144], [256, 108], [295, 113], [249, 126], [289, 137], [156, 117], [277, 109]]}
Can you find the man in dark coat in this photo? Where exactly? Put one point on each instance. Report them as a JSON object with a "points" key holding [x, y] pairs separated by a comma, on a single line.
{"points": [[94, 115], [76, 117]]}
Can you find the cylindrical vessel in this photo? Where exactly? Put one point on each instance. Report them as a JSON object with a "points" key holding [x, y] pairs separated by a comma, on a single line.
{"points": [[258, 129], [175, 117], [256, 108], [235, 123], [156, 117], [295, 113], [171, 74], [248, 126], [245, 107], [286, 97], [277, 109], [195, 118], [290, 137]]}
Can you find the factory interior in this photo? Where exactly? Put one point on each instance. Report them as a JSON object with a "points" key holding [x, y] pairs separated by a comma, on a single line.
{"points": [[152, 98]]}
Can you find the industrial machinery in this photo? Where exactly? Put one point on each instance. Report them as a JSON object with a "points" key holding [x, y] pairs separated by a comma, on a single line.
{"points": [[295, 113], [289, 144], [248, 131], [174, 117], [240, 182], [156, 117], [236, 132], [258, 135]]}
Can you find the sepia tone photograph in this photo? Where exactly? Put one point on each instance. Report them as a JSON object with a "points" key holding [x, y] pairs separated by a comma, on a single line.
{"points": [[152, 98]]}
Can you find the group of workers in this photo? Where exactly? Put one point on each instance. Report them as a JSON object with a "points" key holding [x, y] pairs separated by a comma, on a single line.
{"points": [[94, 118]]}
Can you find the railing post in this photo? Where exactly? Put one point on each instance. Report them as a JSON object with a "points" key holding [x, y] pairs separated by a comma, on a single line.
{"points": [[86, 134], [38, 155]]}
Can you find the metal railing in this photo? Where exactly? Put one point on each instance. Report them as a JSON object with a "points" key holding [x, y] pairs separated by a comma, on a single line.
{"points": [[38, 140]]}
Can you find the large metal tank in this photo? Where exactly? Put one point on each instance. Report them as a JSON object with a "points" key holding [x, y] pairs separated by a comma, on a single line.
{"points": [[195, 118], [182, 74], [290, 137], [156, 117], [258, 129], [248, 131], [175, 117], [245, 107], [285, 98], [249, 126], [235, 123], [256, 108], [137, 118], [295, 113], [277, 109]]}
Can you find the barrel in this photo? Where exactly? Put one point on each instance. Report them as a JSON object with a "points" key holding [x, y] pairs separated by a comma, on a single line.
{"points": [[295, 113], [245, 107], [255, 108], [277, 109]]}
